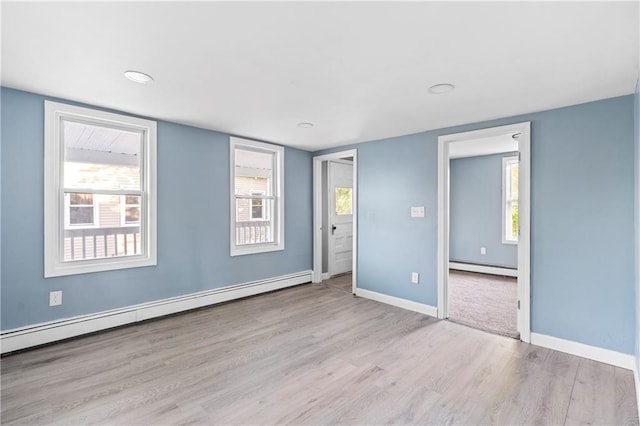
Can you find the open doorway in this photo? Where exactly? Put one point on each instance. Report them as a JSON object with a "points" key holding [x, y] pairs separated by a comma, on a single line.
{"points": [[335, 217], [483, 229], [483, 234]]}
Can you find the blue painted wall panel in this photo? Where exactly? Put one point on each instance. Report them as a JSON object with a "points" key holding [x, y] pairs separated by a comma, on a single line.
{"points": [[193, 223], [475, 218], [391, 244], [582, 277]]}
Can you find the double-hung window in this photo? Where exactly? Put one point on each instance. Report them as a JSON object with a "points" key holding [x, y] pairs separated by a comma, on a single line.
{"points": [[510, 224], [257, 197], [100, 195]]}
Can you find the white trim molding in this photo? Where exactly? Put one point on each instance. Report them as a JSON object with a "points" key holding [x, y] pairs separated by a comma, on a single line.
{"points": [[607, 356], [483, 269], [636, 375], [398, 302], [39, 334]]}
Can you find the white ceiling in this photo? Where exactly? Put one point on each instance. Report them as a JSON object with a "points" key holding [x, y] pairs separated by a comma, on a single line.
{"points": [[359, 71]]}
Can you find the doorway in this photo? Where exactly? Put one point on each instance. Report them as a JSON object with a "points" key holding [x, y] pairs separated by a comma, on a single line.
{"points": [[476, 268], [335, 219], [339, 213]]}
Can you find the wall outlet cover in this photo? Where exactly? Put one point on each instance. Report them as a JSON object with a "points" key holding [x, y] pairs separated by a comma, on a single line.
{"points": [[55, 298], [417, 211], [415, 278]]}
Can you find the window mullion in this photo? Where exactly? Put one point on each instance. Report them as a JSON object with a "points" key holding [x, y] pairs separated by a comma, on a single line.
{"points": [[103, 191]]}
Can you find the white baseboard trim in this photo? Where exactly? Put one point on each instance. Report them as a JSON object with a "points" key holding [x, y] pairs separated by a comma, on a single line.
{"points": [[607, 356], [494, 270], [325, 276], [396, 301], [38, 334]]}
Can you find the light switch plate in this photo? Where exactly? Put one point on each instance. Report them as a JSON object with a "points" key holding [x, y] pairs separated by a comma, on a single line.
{"points": [[417, 211]]}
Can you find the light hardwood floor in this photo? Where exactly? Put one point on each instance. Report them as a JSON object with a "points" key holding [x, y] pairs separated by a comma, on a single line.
{"points": [[311, 354]]}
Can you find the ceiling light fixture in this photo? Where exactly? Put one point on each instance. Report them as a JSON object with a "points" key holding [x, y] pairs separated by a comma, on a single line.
{"points": [[438, 89], [138, 77], [305, 125]]}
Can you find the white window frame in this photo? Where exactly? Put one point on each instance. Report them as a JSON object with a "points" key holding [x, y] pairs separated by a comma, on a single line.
{"points": [[54, 205], [506, 199], [277, 214]]}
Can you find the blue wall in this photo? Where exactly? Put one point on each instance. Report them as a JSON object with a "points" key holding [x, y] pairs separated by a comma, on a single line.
{"points": [[193, 223], [475, 218], [582, 278]]}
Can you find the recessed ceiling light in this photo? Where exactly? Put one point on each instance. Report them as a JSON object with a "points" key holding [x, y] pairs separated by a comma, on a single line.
{"points": [[138, 77], [438, 89], [305, 125]]}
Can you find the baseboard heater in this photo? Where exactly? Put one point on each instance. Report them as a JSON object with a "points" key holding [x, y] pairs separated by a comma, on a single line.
{"points": [[483, 269], [39, 334]]}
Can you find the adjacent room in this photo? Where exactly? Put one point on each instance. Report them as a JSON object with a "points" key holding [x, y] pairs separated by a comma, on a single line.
{"points": [[320, 213], [484, 230]]}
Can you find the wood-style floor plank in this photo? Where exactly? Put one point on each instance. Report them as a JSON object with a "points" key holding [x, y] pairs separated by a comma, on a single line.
{"points": [[312, 354]]}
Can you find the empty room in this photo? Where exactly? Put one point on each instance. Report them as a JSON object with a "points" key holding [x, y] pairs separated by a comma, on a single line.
{"points": [[320, 213]]}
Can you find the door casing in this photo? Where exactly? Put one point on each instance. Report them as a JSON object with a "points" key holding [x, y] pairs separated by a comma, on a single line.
{"points": [[524, 216]]}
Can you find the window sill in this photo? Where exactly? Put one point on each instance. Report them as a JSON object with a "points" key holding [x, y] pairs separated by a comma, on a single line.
{"points": [[100, 265], [255, 249]]}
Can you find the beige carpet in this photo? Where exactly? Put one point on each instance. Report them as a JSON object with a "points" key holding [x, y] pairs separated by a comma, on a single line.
{"points": [[485, 302]]}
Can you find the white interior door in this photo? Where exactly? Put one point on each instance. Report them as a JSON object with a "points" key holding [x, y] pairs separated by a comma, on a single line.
{"points": [[340, 217]]}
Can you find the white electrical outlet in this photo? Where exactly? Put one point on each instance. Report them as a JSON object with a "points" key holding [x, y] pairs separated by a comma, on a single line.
{"points": [[415, 277], [417, 211], [483, 250], [55, 298]]}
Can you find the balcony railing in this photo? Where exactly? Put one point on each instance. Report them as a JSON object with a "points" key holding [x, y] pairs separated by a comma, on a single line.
{"points": [[96, 243], [92, 243], [253, 232]]}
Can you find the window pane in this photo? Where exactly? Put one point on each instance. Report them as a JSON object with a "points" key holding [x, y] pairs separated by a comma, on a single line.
{"points": [[132, 209], [514, 220], [514, 181], [252, 229], [132, 199], [256, 209], [132, 215], [101, 157], [81, 215], [253, 172], [344, 201], [98, 230], [80, 199]]}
